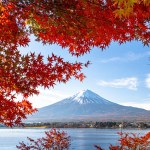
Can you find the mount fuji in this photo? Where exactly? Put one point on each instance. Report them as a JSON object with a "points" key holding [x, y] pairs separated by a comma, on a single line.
{"points": [[88, 106]]}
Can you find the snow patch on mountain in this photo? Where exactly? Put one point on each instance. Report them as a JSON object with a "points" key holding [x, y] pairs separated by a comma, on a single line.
{"points": [[87, 97]]}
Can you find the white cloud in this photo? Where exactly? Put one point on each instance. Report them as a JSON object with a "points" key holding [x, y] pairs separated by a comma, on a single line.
{"points": [[147, 81], [53, 93], [126, 58], [46, 97], [112, 59], [130, 83], [138, 105]]}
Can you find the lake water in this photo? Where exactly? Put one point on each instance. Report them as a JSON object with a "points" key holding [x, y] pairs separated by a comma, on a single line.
{"points": [[81, 139]]}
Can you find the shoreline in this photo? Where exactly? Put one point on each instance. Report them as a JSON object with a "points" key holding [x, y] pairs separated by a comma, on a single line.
{"points": [[45, 127]]}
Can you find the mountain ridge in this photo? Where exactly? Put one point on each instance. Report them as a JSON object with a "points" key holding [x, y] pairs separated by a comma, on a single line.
{"points": [[87, 105]]}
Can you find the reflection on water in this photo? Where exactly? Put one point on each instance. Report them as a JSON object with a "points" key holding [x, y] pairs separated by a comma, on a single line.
{"points": [[81, 139]]}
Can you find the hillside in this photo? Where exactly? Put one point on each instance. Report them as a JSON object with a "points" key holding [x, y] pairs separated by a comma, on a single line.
{"points": [[87, 105]]}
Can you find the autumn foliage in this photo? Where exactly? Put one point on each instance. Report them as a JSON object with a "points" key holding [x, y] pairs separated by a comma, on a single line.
{"points": [[126, 7], [130, 141], [53, 140], [77, 25], [57, 140]]}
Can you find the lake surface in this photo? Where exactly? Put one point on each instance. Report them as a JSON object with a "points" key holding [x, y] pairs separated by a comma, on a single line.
{"points": [[81, 139]]}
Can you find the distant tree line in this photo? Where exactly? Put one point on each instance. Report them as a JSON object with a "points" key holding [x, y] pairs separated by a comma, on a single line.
{"points": [[108, 124]]}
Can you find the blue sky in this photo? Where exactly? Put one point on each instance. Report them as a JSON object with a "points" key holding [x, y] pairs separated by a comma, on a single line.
{"points": [[120, 73]]}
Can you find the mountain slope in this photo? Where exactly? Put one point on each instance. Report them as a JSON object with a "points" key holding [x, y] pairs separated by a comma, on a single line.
{"points": [[87, 105]]}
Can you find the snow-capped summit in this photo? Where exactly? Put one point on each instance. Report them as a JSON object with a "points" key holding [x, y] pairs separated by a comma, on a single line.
{"points": [[87, 105], [84, 93], [87, 96]]}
